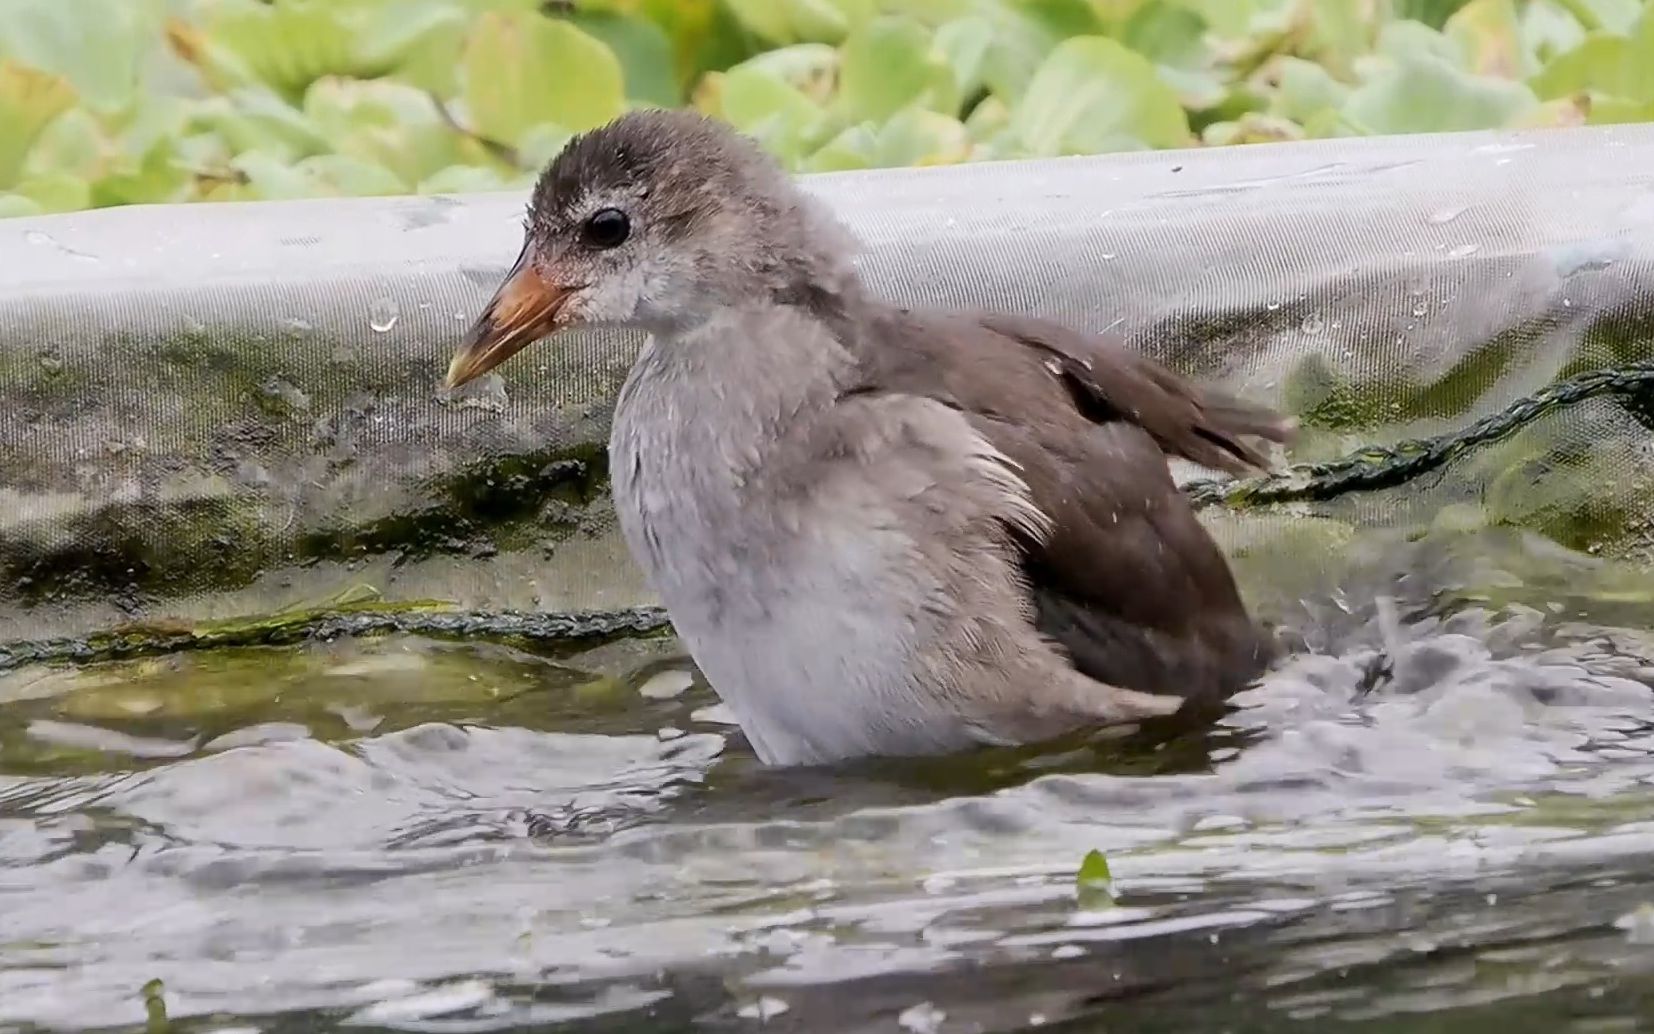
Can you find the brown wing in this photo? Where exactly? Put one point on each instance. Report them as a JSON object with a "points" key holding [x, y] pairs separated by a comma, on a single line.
{"points": [[1129, 582]]}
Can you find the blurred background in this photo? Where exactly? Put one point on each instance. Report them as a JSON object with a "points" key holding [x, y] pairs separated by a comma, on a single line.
{"points": [[199, 100]]}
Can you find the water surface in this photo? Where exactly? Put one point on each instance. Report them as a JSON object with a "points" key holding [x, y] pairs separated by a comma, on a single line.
{"points": [[1437, 815]]}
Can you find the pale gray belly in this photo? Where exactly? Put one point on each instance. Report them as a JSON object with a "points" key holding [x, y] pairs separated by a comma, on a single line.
{"points": [[807, 635]]}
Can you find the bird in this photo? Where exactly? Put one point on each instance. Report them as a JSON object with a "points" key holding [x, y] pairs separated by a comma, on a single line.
{"points": [[878, 531]]}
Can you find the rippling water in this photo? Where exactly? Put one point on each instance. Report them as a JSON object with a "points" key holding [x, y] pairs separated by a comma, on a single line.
{"points": [[1438, 814]]}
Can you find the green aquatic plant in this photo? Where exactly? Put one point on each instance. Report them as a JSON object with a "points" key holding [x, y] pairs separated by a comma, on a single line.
{"points": [[1094, 883], [199, 100]]}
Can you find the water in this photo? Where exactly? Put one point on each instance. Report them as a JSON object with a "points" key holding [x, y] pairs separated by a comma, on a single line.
{"points": [[1438, 816]]}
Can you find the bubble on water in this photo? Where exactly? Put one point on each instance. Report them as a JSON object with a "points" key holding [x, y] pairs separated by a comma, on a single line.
{"points": [[666, 684], [1314, 323], [382, 315], [1421, 307], [923, 1018], [1442, 216], [37, 237], [486, 393], [297, 325], [1110, 256], [1464, 249], [1272, 306], [763, 1009], [51, 362], [279, 395]]}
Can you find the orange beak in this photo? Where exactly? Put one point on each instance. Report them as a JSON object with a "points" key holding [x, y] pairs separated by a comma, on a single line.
{"points": [[523, 310]]}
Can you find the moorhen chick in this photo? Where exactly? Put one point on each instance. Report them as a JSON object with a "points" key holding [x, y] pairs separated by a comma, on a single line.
{"points": [[878, 531]]}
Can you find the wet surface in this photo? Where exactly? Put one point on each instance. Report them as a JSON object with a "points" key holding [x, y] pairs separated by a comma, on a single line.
{"points": [[1437, 815]]}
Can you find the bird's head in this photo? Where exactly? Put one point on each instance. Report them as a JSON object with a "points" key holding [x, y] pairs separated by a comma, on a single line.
{"points": [[653, 221]]}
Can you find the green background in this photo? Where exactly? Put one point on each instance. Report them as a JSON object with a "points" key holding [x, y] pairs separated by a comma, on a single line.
{"points": [[112, 102]]}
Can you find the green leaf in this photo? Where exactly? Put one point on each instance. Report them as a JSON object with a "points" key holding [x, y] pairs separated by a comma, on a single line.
{"points": [[29, 100], [1020, 44], [811, 68], [1489, 34], [1614, 65], [420, 42], [1251, 128], [1168, 34], [990, 118], [964, 45], [1175, 39], [916, 137], [345, 176], [71, 143], [644, 52], [1234, 19], [16, 206], [289, 45], [155, 176], [326, 175], [1610, 15], [1423, 95], [705, 35], [1093, 95], [1064, 18], [57, 192], [890, 64], [463, 179], [1405, 41], [774, 112], [541, 144], [854, 148], [826, 21], [1094, 883], [766, 19], [521, 71], [1548, 30], [96, 45], [1305, 90], [388, 124], [253, 118], [1342, 32]]}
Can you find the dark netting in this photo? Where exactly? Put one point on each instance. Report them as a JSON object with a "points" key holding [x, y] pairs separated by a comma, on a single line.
{"points": [[223, 423]]}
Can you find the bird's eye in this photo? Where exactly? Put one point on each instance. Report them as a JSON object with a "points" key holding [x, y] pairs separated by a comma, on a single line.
{"points": [[607, 228]]}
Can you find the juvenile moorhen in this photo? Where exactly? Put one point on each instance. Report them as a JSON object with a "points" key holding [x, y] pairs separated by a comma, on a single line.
{"points": [[878, 531]]}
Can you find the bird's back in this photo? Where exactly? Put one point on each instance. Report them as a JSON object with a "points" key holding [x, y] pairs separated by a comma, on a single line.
{"points": [[1128, 582]]}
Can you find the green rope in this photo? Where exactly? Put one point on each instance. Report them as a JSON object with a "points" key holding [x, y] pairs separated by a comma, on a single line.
{"points": [[1378, 467]]}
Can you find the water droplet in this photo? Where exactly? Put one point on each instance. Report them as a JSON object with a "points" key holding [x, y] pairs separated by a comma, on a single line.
{"points": [[382, 315], [37, 237], [1464, 249], [1272, 306], [1110, 256], [298, 326], [1421, 307], [1314, 323], [763, 1009], [51, 362], [459, 317], [1442, 216]]}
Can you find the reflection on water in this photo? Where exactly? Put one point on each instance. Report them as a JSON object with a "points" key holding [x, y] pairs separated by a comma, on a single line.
{"points": [[1437, 814]]}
